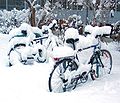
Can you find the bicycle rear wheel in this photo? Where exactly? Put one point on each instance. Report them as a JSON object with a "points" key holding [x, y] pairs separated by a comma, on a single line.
{"points": [[14, 56], [58, 81]]}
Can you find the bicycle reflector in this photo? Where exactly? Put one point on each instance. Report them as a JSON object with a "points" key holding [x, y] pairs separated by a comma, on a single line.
{"points": [[56, 59]]}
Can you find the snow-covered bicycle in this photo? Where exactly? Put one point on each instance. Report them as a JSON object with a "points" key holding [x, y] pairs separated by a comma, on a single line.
{"points": [[34, 51], [27, 54], [66, 73]]}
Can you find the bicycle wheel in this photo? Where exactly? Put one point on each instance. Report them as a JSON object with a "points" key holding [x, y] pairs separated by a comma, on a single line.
{"points": [[13, 55], [58, 80], [106, 60], [103, 64]]}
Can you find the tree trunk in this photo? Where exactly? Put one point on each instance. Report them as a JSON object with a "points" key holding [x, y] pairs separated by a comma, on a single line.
{"points": [[32, 15]]}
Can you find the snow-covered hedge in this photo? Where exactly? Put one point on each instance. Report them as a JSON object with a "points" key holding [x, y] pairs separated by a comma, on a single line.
{"points": [[14, 18], [11, 19]]}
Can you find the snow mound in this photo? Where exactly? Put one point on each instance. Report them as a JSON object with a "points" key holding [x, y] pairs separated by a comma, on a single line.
{"points": [[97, 30], [14, 31], [71, 33], [88, 28], [37, 30], [101, 30], [62, 51], [86, 41]]}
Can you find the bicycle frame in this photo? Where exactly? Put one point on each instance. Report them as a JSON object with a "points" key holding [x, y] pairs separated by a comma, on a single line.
{"points": [[93, 56]]}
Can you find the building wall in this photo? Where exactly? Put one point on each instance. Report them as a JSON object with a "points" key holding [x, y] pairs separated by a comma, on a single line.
{"points": [[18, 4], [10, 4], [2, 4]]}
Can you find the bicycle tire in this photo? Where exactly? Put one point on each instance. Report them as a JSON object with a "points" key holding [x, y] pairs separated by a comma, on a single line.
{"points": [[104, 65], [57, 82], [13, 57], [106, 57], [19, 59]]}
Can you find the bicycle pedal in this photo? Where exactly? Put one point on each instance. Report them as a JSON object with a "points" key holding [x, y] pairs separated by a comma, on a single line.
{"points": [[83, 75], [64, 80], [75, 79], [92, 71]]}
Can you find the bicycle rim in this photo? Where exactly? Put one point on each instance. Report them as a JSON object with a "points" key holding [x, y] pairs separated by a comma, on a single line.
{"points": [[106, 60], [103, 65], [58, 81]]}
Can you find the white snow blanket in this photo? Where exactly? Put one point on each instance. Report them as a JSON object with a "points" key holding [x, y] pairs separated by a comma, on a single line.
{"points": [[29, 83]]}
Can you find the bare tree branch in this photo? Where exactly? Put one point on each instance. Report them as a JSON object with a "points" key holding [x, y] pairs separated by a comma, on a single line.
{"points": [[29, 3], [33, 2]]}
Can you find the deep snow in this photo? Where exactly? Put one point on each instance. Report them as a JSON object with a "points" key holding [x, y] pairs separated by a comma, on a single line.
{"points": [[29, 83]]}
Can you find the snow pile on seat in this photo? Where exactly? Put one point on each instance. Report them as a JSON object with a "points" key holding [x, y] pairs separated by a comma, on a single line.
{"points": [[16, 32], [28, 28], [88, 28], [71, 33]]}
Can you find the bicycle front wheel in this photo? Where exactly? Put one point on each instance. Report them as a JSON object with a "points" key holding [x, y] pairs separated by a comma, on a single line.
{"points": [[58, 81], [103, 64], [106, 62]]}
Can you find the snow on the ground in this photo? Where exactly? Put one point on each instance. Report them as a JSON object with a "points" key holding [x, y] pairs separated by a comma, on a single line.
{"points": [[29, 83]]}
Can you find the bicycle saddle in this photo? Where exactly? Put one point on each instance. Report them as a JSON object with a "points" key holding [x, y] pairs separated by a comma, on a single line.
{"points": [[71, 40]]}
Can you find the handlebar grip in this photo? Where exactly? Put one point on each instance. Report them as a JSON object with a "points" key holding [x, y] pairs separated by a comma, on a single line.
{"points": [[97, 36], [104, 35], [79, 50]]}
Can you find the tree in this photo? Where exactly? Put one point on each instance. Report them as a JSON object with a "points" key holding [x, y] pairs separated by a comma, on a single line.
{"points": [[44, 13], [104, 8], [31, 5], [101, 9], [87, 5]]}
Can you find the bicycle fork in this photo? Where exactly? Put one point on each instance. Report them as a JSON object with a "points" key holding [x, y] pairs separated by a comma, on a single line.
{"points": [[98, 63]]}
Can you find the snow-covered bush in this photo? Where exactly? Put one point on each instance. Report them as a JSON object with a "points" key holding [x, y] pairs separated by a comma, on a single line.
{"points": [[12, 19]]}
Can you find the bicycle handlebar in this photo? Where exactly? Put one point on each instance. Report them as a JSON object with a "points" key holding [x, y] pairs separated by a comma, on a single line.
{"points": [[41, 38], [104, 35]]}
